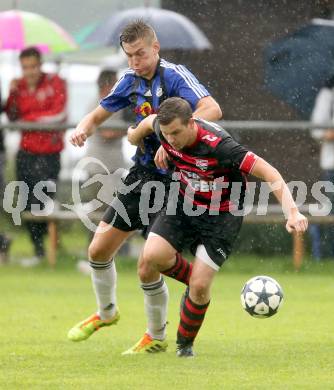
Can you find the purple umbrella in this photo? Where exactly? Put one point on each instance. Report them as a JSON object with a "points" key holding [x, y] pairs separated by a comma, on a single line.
{"points": [[174, 31]]}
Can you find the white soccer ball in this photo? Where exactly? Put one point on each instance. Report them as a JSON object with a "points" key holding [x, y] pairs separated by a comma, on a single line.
{"points": [[261, 296]]}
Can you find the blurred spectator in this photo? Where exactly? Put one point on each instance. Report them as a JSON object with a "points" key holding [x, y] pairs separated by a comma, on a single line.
{"points": [[323, 112], [4, 241], [37, 97], [106, 145]]}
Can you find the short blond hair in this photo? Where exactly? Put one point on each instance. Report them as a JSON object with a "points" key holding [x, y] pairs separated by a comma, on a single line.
{"points": [[137, 30]]}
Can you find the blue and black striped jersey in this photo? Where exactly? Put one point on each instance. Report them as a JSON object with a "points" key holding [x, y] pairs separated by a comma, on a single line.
{"points": [[144, 96]]}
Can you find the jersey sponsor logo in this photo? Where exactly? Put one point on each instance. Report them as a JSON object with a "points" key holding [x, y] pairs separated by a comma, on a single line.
{"points": [[192, 175], [175, 152], [145, 109], [202, 164], [197, 184], [159, 92], [204, 185], [210, 138]]}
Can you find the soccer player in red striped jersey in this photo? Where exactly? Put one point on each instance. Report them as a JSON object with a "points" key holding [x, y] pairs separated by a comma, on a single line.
{"points": [[208, 162]]}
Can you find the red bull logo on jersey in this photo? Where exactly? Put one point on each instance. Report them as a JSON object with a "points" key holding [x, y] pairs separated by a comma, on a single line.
{"points": [[145, 109]]}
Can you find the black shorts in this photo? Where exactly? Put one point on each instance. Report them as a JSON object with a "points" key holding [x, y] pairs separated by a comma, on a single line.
{"points": [[217, 233], [127, 211]]}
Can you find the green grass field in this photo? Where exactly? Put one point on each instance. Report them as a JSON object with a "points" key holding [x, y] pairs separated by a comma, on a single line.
{"points": [[293, 350]]}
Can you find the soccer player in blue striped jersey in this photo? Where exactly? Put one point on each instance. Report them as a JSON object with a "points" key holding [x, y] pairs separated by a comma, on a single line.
{"points": [[144, 86]]}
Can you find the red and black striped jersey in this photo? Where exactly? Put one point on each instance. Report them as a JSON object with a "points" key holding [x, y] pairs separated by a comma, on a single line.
{"points": [[208, 168]]}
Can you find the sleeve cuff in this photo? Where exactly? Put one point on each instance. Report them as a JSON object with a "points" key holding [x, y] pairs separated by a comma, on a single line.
{"points": [[248, 162]]}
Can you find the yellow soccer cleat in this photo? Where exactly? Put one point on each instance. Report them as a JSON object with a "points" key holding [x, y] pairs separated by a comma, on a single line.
{"points": [[147, 345], [86, 328]]}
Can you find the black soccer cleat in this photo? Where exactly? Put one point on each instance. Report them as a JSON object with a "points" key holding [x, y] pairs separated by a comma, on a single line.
{"points": [[184, 350]]}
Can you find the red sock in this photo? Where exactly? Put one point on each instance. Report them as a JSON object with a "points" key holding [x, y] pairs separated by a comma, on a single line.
{"points": [[181, 270], [192, 317]]}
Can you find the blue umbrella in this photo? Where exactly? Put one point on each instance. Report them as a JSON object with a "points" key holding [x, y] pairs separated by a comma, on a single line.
{"points": [[297, 66], [174, 31]]}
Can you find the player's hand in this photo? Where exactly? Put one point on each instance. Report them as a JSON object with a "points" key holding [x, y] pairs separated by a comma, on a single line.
{"points": [[79, 136], [297, 222], [132, 138], [161, 158]]}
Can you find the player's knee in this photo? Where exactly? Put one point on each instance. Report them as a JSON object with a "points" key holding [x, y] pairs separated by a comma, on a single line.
{"points": [[97, 253], [146, 267], [144, 272], [160, 258], [199, 288], [149, 255]]}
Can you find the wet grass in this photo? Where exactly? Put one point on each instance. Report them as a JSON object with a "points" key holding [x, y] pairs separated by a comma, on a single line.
{"points": [[292, 350]]}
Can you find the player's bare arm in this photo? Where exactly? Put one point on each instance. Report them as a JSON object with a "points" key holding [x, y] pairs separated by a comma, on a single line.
{"points": [[88, 125], [207, 108], [144, 128], [296, 221]]}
